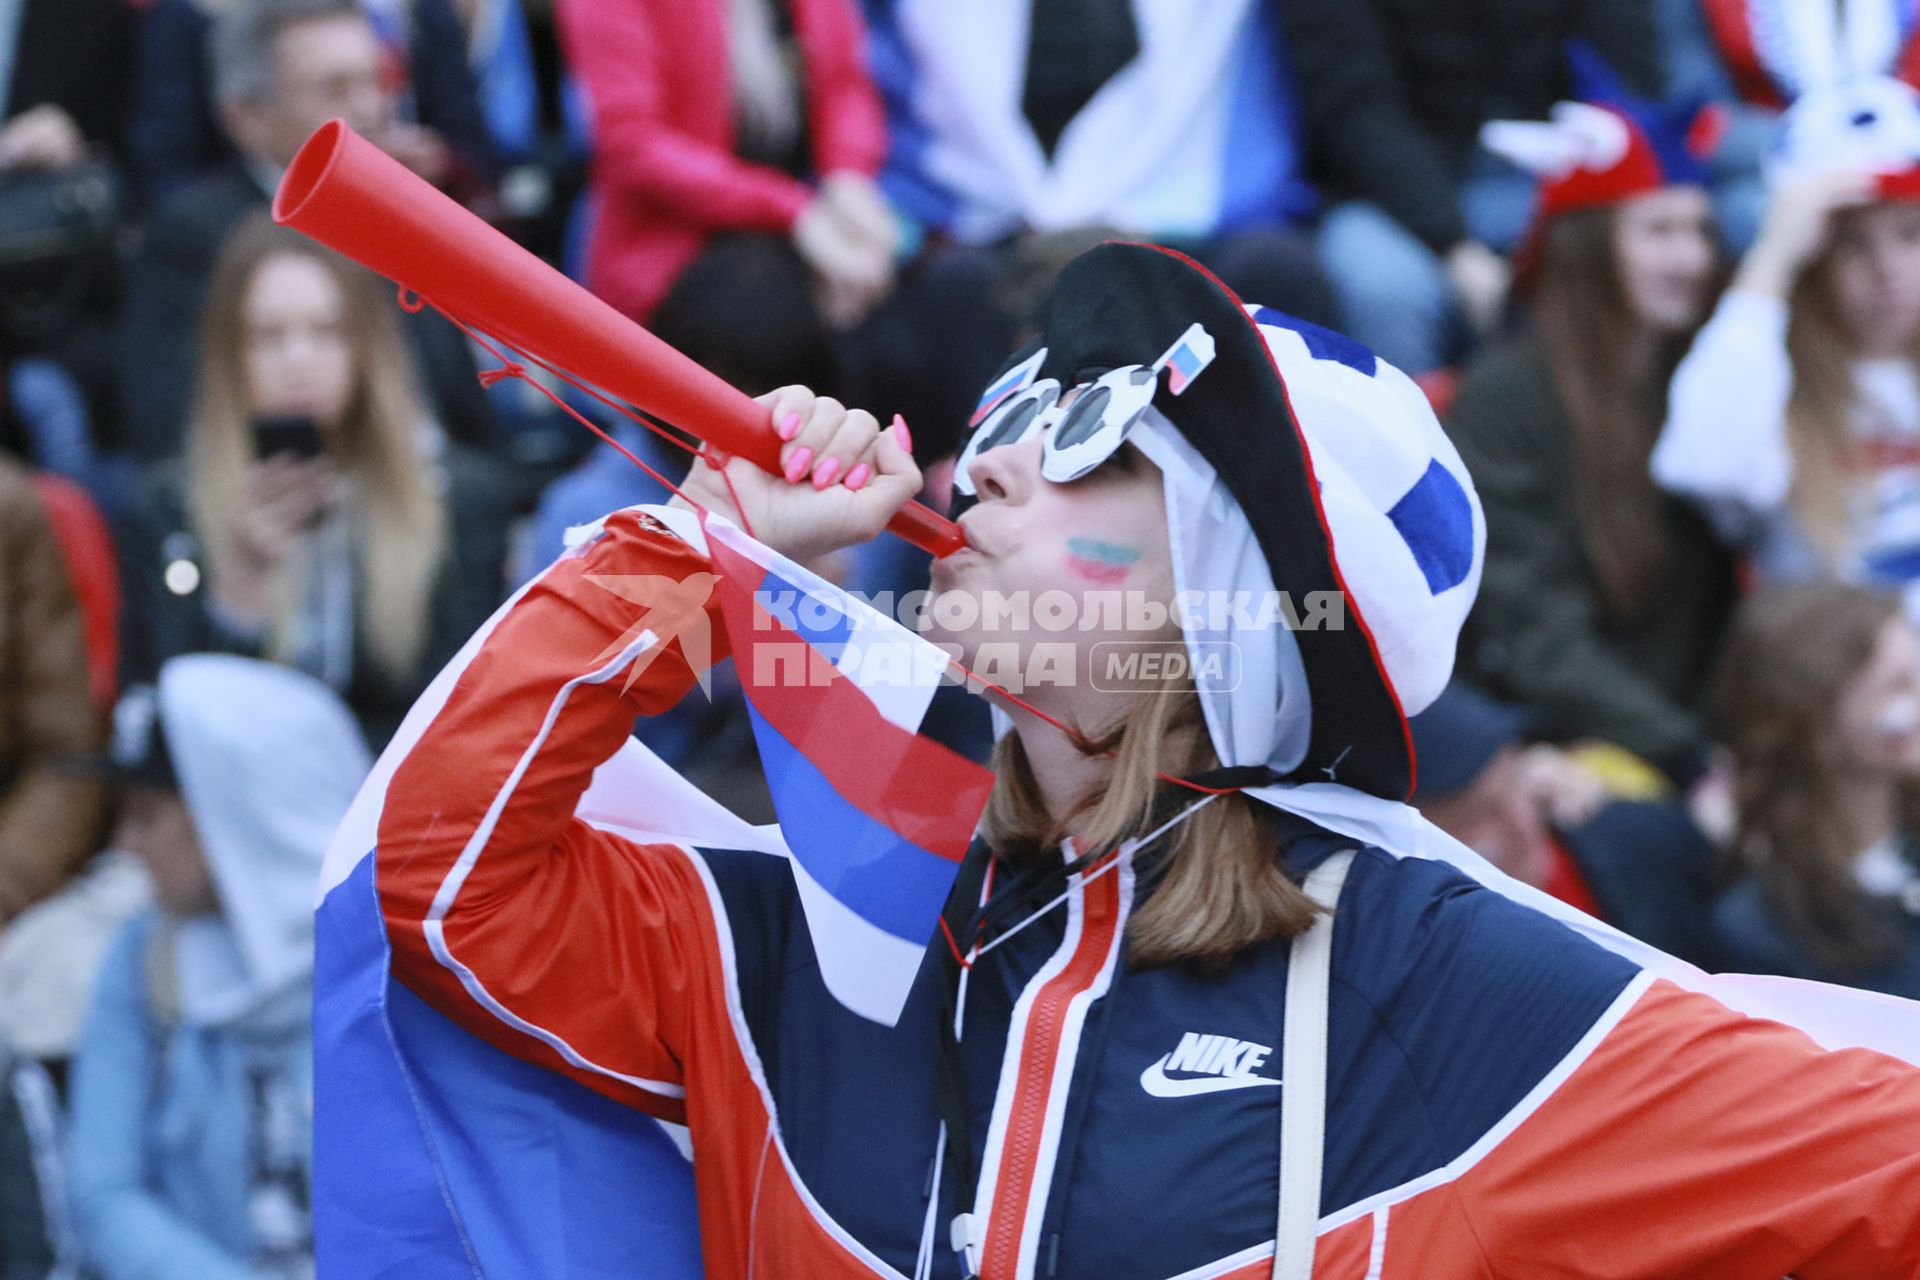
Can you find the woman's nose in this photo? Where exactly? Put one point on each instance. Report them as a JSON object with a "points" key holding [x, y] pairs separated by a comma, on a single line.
{"points": [[1006, 474]]}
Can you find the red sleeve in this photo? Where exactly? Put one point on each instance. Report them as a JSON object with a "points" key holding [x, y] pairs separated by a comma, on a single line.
{"points": [[843, 109], [553, 940], [1697, 1144], [617, 48]]}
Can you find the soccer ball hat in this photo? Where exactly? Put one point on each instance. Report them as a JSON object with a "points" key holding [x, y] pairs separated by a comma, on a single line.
{"points": [[1294, 460]]}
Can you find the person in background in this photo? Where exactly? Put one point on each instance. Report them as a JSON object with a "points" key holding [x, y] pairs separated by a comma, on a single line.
{"points": [[500, 59], [733, 203], [1603, 599], [1543, 816], [320, 518], [280, 69], [49, 818], [29, 1249], [1484, 786], [1755, 56], [180, 129], [1795, 419], [1394, 93], [191, 1094], [64, 70], [1026, 134], [1821, 695]]}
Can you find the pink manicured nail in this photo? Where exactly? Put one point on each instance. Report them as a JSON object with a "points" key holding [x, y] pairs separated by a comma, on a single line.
{"points": [[900, 430], [797, 465], [858, 477], [789, 426], [824, 473]]}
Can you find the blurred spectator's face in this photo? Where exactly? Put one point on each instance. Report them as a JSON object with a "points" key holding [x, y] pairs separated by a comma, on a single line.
{"points": [[1664, 244], [1879, 711], [1873, 271], [1500, 817], [323, 68], [156, 828], [299, 355]]}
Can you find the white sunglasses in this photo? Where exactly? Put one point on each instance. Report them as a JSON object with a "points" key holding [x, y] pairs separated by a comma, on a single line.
{"points": [[1092, 428]]}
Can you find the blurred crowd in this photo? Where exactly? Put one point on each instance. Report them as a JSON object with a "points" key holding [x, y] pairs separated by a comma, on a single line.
{"points": [[1656, 262]]}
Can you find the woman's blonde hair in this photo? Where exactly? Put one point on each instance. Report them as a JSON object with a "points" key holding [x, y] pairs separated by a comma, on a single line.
{"points": [[397, 519], [1220, 887], [1821, 407]]}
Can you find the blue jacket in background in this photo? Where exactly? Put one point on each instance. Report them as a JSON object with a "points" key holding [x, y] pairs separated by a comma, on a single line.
{"points": [[161, 1130]]}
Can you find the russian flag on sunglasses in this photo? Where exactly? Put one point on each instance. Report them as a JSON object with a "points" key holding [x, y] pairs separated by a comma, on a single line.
{"points": [[1187, 357], [1021, 375], [433, 1149]]}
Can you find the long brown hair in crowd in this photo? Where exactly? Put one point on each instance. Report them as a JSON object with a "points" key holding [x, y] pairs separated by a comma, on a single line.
{"points": [[1821, 406], [398, 520], [1793, 651], [1220, 887], [1611, 376]]}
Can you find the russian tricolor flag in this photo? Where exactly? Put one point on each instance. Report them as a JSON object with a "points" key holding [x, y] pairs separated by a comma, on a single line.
{"points": [[1192, 352], [437, 1154], [876, 817], [1014, 379]]}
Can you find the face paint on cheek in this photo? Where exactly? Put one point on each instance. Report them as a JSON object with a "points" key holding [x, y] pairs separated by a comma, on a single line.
{"points": [[1105, 564]]}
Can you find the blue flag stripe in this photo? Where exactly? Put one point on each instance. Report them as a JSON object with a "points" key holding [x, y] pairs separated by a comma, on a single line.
{"points": [[396, 1146], [879, 874], [819, 622]]}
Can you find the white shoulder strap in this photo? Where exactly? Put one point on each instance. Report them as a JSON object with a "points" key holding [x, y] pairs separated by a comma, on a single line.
{"points": [[1303, 1074]]}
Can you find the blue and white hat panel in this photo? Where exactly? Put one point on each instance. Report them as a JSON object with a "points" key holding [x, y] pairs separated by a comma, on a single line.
{"points": [[1407, 530]]}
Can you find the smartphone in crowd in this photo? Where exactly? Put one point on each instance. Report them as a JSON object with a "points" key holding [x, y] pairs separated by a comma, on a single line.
{"points": [[286, 435]]}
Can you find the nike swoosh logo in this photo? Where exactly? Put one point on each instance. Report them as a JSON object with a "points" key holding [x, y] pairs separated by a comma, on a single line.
{"points": [[1154, 1080]]}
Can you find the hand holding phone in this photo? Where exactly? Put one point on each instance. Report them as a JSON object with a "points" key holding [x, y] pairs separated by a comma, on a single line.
{"points": [[287, 435]]}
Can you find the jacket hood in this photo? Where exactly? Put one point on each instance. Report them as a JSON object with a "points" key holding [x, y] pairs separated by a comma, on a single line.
{"points": [[268, 759]]}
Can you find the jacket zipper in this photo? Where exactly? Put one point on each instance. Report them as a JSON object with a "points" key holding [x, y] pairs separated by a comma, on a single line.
{"points": [[1039, 1053]]}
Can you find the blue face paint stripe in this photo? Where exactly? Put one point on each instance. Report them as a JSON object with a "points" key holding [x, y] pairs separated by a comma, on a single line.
{"points": [[1104, 552]]}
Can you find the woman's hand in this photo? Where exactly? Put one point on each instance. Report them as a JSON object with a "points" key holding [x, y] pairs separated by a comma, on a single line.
{"points": [[1481, 279], [42, 137], [285, 498], [1798, 219], [848, 236], [843, 478]]}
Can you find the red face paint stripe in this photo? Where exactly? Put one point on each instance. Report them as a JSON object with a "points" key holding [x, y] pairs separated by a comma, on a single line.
{"points": [[1098, 572]]}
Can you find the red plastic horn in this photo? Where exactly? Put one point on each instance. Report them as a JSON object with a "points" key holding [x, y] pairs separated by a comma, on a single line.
{"points": [[353, 197]]}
